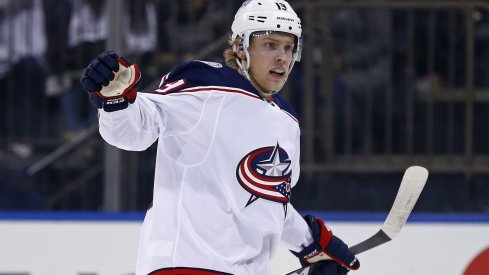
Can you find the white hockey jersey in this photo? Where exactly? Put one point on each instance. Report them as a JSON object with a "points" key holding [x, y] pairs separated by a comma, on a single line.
{"points": [[226, 162]]}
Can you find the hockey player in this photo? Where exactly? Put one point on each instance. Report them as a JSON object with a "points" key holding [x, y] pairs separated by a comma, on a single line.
{"points": [[227, 157]]}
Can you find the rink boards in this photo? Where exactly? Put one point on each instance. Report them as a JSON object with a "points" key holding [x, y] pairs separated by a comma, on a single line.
{"points": [[106, 244]]}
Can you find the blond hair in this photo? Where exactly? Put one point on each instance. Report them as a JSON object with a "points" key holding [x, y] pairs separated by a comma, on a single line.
{"points": [[230, 55]]}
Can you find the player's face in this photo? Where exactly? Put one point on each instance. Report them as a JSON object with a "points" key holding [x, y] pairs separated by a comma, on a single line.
{"points": [[271, 57]]}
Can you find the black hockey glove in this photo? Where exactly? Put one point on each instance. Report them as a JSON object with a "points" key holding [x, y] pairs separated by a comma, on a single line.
{"points": [[326, 246], [111, 82]]}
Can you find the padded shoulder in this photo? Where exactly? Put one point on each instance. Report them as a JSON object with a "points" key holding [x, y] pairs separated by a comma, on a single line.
{"points": [[203, 73], [196, 73], [285, 105]]}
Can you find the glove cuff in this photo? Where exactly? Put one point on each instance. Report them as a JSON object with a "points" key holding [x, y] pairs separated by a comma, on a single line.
{"points": [[326, 246], [311, 254], [121, 92], [113, 104]]}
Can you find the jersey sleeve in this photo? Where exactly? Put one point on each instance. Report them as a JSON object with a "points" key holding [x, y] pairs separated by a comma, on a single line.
{"points": [[134, 128], [182, 97], [171, 110], [296, 234], [286, 107], [296, 161]]}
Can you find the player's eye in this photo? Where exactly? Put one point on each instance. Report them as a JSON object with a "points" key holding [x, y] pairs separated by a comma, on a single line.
{"points": [[270, 45], [289, 48]]}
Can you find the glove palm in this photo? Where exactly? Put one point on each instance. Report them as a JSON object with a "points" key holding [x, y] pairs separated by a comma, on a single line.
{"points": [[111, 82]]}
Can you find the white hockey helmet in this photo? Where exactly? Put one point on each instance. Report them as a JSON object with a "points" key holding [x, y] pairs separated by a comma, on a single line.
{"points": [[266, 15]]}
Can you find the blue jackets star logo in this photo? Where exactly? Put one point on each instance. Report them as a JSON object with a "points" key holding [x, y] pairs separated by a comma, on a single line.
{"points": [[265, 174]]}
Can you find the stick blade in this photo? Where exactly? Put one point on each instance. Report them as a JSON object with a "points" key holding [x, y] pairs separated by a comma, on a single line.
{"points": [[412, 185], [379, 238]]}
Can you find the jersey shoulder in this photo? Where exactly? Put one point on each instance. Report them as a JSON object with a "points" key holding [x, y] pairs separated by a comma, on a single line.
{"points": [[197, 73], [285, 105]]}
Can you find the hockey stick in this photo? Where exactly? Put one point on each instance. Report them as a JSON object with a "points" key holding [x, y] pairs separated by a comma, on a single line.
{"points": [[412, 184]]}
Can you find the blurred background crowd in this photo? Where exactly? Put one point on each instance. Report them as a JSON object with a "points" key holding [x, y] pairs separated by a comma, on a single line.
{"points": [[382, 85]]}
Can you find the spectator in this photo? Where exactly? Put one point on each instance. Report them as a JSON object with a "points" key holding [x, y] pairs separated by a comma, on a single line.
{"points": [[141, 29], [201, 21], [360, 63], [87, 34], [17, 190], [22, 47]]}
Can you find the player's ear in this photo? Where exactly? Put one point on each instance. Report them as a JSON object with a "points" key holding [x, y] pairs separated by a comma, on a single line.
{"points": [[240, 51]]}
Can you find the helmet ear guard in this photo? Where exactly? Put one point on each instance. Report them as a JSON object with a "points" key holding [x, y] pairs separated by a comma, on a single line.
{"points": [[298, 50]]}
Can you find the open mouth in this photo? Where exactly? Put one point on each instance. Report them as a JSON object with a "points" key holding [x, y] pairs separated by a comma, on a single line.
{"points": [[277, 73]]}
